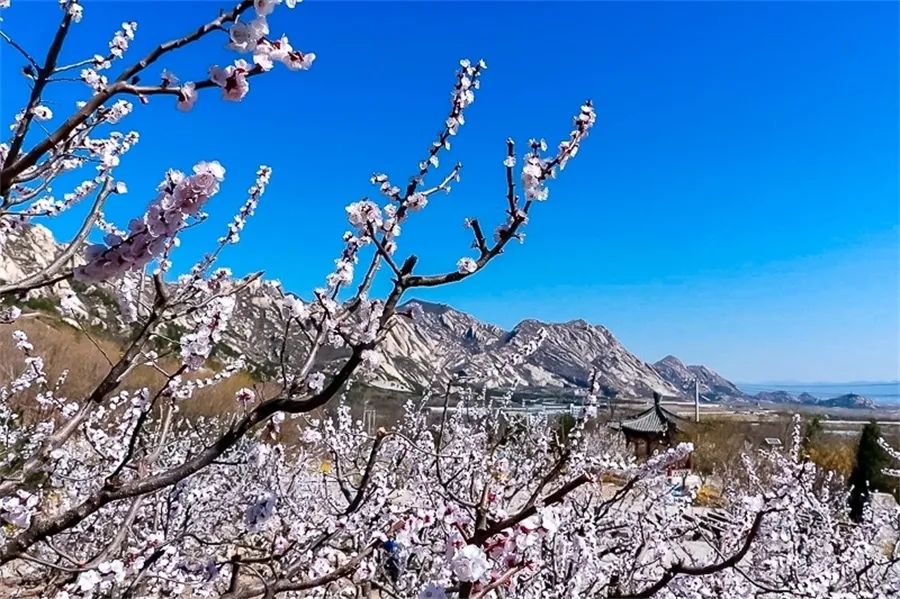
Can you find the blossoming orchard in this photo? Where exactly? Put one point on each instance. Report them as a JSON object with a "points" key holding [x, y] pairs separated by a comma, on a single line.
{"points": [[119, 492]]}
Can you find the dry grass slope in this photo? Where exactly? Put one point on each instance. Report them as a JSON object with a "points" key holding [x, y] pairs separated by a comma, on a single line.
{"points": [[87, 359]]}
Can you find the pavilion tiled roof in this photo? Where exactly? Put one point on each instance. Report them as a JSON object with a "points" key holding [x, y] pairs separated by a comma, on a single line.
{"points": [[654, 419]]}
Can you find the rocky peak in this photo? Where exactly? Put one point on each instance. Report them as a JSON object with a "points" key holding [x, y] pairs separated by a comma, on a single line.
{"points": [[29, 249], [849, 400], [713, 386], [422, 351], [807, 398]]}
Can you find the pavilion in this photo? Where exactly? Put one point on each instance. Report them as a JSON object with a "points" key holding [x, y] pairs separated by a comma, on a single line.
{"points": [[651, 429]]}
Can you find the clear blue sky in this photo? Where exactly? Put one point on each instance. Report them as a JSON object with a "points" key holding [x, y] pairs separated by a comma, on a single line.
{"points": [[736, 205]]}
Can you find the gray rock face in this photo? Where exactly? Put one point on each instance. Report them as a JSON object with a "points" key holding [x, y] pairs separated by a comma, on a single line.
{"points": [[713, 386], [807, 398], [775, 397], [440, 344], [445, 342], [27, 251], [849, 400]]}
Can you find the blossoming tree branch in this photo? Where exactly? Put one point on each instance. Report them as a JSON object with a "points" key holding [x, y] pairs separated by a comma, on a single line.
{"points": [[118, 493]]}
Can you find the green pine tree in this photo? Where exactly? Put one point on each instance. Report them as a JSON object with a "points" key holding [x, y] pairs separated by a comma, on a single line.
{"points": [[867, 475]]}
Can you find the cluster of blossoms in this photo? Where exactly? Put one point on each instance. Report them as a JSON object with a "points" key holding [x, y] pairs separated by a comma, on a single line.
{"points": [[180, 197], [28, 173], [127, 295], [32, 374], [250, 37], [894, 455], [81, 149], [208, 323], [50, 206], [135, 498], [537, 169], [109, 151], [181, 388], [96, 81], [364, 216], [119, 43], [118, 46], [263, 174], [467, 81], [535, 174], [472, 501]]}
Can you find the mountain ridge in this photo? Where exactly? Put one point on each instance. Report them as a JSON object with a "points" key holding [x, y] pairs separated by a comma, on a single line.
{"points": [[436, 347]]}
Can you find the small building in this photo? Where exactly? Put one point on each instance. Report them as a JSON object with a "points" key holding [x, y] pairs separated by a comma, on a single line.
{"points": [[651, 429]]}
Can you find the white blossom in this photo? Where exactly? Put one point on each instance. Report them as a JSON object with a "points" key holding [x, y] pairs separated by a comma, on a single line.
{"points": [[470, 563], [466, 266], [42, 113]]}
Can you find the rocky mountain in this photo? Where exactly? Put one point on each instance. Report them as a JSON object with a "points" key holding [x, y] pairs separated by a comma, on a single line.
{"points": [[849, 400], [713, 386], [775, 397], [438, 345], [29, 249], [807, 398], [445, 342]]}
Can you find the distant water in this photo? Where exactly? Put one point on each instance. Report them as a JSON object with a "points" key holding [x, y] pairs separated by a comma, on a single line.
{"points": [[880, 393]]}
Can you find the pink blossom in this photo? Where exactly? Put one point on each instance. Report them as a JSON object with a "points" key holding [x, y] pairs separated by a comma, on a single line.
{"points": [[279, 50], [74, 10], [180, 197], [245, 36], [299, 61], [187, 96], [417, 201], [232, 79], [244, 396], [264, 7], [364, 214]]}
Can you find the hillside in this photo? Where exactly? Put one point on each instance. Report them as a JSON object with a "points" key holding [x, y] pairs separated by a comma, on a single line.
{"points": [[713, 386], [438, 345]]}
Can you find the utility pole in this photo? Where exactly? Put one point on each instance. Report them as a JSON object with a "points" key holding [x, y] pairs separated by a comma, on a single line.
{"points": [[696, 400]]}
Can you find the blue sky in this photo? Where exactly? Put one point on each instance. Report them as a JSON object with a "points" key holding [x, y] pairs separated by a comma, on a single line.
{"points": [[736, 204]]}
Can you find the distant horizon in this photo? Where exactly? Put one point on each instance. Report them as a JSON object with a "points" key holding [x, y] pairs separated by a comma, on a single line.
{"points": [[885, 393], [791, 383]]}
